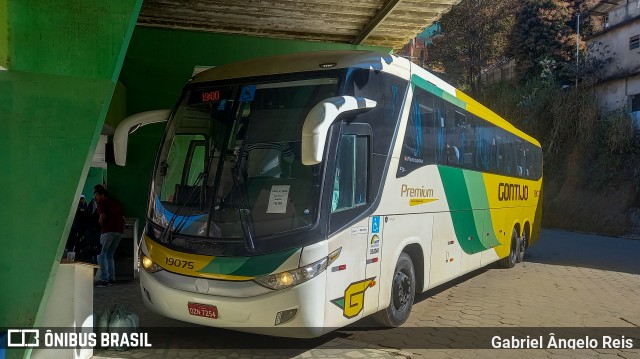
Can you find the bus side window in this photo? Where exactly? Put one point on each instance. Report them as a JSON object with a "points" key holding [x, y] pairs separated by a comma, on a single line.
{"points": [[484, 145], [468, 137], [418, 147], [351, 175], [500, 151], [441, 116], [453, 129]]}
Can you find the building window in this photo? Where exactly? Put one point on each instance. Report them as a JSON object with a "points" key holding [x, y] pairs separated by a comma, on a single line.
{"points": [[605, 21], [635, 109], [635, 103], [634, 42]]}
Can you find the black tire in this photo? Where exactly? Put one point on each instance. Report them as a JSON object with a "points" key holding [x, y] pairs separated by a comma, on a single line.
{"points": [[403, 291], [524, 243], [510, 260]]}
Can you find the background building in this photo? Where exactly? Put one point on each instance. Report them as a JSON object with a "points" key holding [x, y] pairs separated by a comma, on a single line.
{"points": [[619, 34]]}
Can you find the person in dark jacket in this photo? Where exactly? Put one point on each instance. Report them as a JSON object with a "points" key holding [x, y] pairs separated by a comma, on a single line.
{"points": [[92, 229], [111, 229], [76, 234]]}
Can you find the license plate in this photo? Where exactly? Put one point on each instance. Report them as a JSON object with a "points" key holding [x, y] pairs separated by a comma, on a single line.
{"points": [[203, 310]]}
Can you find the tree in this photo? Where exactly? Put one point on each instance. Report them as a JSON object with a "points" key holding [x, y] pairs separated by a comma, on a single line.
{"points": [[474, 35], [542, 32]]}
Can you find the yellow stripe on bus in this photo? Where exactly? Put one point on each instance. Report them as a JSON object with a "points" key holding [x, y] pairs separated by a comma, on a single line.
{"points": [[479, 110]]}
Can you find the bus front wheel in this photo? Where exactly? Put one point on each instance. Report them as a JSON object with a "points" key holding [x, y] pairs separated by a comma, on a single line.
{"points": [[510, 260], [403, 290]]}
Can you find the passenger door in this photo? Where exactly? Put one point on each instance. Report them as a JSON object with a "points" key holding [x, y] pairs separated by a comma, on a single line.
{"points": [[348, 199]]}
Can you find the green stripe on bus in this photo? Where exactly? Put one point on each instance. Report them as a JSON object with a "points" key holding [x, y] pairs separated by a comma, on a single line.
{"points": [[467, 226], [264, 264], [224, 265], [248, 266], [476, 189], [478, 196], [428, 86]]}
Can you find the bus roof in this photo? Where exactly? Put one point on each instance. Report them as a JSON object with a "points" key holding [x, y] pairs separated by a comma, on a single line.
{"points": [[307, 61], [328, 60]]}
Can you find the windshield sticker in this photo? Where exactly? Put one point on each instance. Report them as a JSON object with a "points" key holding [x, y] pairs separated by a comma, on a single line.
{"points": [[278, 199], [247, 94]]}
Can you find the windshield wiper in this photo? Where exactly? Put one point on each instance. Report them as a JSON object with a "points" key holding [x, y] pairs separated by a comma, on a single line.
{"points": [[168, 229], [247, 223]]}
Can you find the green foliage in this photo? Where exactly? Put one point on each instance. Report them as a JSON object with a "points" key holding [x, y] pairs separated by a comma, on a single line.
{"points": [[619, 133], [614, 152], [554, 100], [566, 120], [474, 35], [541, 31]]}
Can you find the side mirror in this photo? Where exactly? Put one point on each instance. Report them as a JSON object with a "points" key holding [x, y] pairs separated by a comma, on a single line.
{"points": [[317, 123], [130, 124]]}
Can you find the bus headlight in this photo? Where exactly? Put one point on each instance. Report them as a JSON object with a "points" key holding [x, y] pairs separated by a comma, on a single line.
{"points": [[148, 265], [296, 276]]}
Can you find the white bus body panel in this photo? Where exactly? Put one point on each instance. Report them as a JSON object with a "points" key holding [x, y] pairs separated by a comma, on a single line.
{"points": [[254, 314]]}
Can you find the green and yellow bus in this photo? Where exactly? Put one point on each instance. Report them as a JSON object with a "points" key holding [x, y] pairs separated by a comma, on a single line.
{"points": [[309, 190]]}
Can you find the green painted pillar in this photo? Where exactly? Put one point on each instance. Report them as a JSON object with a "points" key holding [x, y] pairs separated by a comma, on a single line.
{"points": [[64, 58], [4, 34]]}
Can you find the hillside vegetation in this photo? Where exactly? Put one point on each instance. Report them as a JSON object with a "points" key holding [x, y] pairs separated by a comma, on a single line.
{"points": [[591, 158]]}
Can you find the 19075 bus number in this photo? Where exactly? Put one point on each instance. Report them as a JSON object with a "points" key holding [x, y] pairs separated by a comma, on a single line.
{"points": [[178, 263]]}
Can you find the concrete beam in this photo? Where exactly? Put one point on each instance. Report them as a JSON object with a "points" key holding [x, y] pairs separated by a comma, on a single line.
{"points": [[384, 11]]}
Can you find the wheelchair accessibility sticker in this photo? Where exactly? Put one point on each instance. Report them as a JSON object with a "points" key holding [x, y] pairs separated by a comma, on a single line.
{"points": [[248, 93], [375, 224]]}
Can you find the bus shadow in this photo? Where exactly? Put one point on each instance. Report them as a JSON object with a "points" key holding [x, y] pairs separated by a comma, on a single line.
{"points": [[368, 324], [586, 251]]}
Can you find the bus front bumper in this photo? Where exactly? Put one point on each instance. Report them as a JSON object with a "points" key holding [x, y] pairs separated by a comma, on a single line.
{"points": [[253, 314]]}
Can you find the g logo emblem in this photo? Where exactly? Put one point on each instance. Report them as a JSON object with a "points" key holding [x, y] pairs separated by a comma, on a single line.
{"points": [[353, 301]]}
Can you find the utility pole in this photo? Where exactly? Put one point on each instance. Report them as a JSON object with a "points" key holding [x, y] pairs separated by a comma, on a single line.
{"points": [[577, 48]]}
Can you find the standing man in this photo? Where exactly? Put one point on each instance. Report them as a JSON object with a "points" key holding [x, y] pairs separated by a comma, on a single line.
{"points": [[111, 229], [92, 232]]}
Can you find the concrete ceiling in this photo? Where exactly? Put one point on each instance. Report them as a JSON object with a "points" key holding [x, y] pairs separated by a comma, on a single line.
{"points": [[388, 23]]}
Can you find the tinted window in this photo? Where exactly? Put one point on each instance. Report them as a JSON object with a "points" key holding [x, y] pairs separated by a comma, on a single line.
{"points": [[419, 145], [350, 180], [440, 132]]}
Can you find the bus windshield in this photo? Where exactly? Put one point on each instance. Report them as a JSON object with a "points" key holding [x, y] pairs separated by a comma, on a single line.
{"points": [[230, 163]]}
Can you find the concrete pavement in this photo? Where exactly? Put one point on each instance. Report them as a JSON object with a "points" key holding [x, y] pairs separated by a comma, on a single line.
{"points": [[567, 280]]}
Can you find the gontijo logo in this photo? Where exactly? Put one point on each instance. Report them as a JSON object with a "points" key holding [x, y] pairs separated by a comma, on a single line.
{"points": [[353, 301], [512, 192]]}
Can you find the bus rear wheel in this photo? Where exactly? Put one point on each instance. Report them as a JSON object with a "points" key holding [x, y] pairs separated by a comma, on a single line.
{"points": [[403, 291], [510, 260], [524, 242]]}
